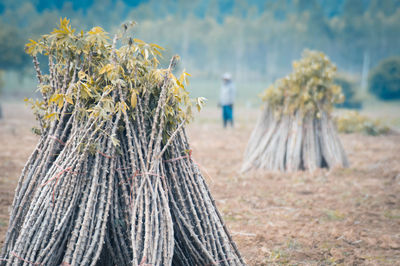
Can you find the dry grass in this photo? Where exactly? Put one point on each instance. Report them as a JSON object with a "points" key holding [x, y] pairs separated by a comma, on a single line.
{"points": [[345, 216]]}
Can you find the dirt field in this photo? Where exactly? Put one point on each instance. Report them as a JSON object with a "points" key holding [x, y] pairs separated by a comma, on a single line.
{"points": [[345, 216]]}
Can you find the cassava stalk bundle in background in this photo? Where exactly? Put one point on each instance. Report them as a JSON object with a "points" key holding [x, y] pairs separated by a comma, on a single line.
{"points": [[295, 130], [111, 181]]}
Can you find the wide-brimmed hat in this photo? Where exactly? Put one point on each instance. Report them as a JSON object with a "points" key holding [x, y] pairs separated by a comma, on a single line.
{"points": [[227, 76]]}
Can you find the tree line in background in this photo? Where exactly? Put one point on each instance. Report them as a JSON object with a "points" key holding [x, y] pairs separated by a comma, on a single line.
{"points": [[254, 39]]}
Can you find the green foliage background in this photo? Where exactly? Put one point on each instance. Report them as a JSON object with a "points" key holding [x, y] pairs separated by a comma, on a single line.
{"points": [[384, 80], [254, 40], [349, 90]]}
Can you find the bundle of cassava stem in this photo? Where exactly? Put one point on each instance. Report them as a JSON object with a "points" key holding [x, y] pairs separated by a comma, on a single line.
{"points": [[295, 130], [112, 181]]}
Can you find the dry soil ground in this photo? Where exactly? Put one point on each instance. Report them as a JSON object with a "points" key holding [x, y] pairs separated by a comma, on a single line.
{"points": [[344, 216]]}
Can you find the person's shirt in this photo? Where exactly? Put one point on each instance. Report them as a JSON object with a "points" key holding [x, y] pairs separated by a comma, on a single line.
{"points": [[227, 93]]}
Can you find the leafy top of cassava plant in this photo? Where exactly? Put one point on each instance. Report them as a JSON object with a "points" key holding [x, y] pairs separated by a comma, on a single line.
{"points": [[309, 88], [89, 66]]}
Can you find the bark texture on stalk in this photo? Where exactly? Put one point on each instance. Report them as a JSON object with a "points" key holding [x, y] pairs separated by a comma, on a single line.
{"points": [[294, 142]]}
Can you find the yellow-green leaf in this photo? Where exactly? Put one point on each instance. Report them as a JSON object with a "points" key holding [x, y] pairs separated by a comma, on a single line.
{"points": [[133, 99], [96, 30], [68, 99]]}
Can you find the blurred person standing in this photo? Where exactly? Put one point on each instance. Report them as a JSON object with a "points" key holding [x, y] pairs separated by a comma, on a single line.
{"points": [[227, 98]]}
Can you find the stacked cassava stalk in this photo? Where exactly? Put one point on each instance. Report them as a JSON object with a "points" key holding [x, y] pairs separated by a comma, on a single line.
{"points": [[295, 130], [111, 181]]}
